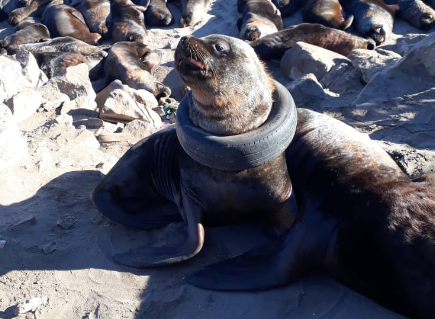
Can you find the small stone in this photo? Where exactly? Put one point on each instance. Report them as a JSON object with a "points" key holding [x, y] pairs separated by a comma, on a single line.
{"points": [[31, 305], [65, 119], [30, 218], [67, 222], [49, 248], [2, 243]]}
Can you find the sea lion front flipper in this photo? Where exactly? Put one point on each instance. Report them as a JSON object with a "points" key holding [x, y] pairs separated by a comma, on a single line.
{"points": [[152, 256], [277, 264]]}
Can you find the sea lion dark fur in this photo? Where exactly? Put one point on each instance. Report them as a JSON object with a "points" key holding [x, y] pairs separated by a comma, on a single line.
{"points": [[26, 22], [192, 11], [33, 33], [274, 45], [415, 12], [128, 22], [63, 20], [158, 14], [372, 18], [33, 9], [259, 18], [157, 172], [288, 7], [361, 220], [326, 12], [123, 63], [96, 14]]}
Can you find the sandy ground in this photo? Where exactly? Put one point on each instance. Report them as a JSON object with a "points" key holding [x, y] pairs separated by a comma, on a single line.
{"points": [[58, 246]]}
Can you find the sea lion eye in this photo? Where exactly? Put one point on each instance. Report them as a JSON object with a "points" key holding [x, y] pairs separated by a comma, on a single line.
{"points": [[218, 47]]}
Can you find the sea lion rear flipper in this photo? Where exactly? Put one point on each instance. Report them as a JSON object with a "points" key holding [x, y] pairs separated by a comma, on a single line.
{"points": [[152, 256], [277, 264]]}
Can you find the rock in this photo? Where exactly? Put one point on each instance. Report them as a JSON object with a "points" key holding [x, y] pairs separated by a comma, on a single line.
{"points": [[371, 62], [90, 124], [306, 90], [26, 218], [24, 104], [12, 79], [49, 248], [64, 119], [139, 129], [30, 68], [2, 243], [52, 98], [13, 147], [31, 305], [66, 222], [119, 102], [75, 83]]}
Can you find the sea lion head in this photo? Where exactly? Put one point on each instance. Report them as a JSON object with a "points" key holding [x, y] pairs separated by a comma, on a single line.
{"points": [[427, 20], [231, 90]]}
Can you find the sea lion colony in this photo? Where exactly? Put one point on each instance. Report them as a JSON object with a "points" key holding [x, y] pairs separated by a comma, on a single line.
{"points": [[125, 25]]}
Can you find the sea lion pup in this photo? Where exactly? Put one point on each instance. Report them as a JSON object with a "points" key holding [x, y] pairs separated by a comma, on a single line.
{"points": [[128, 22], [361, 220], [33, 33], [158, 171], [372, 18], [158, 14], [415, 12], [259, 18], [63, 20], [26, 22], [123, 63], [326, 12], [273, 46], [34, 9], [192, 11], [96, 14], [288, 7]]}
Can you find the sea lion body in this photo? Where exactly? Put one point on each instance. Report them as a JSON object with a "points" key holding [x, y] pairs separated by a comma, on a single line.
{"points": [[26, 22], [123, 63], [288, 7], [274, 45], [361, 220], [158, 14], [259, 18], [33, 33], [33, 9], [158, 172], [415, 12], [192, 11], [327, 12], [128, 22], [63, 20], [96, 14], [372, 18]]}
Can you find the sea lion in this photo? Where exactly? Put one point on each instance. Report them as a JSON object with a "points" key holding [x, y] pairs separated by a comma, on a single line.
{"points": [[415, 12], [259, 18], [288, 7], [128, 22], [158, 14], [372, 18], [34, 9], [326, 12], [274, 45], [33, 33], [158, 172], [26, 22], [123, 63], [96, 14], [361, 220], [192, 11], [63, 20]]}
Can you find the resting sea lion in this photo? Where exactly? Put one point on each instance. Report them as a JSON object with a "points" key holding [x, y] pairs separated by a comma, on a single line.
{"points": [[128, 23], [96, 14], [259, 18], [123, 63], [372, 18], [192, 11], [273, 46], [326, 12], [361, 220], [158, 171], [33, 33], [26, 22], [288, 7], [33, 9], [63, 20], [158, 14], [415, 12]]}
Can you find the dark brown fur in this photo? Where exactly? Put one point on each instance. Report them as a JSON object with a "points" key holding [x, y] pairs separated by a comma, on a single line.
{"points": [[274, 45], [288, 7], [33, 9], [326, 12], [96, 14], [415, 12], [33, 33], [128, 22], [158, 14]]}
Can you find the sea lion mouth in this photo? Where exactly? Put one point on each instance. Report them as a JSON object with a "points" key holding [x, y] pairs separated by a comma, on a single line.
{"points": [[191, 58]]}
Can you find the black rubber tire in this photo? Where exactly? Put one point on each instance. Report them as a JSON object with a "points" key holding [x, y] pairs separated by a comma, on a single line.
{"points": [[243, 151]]}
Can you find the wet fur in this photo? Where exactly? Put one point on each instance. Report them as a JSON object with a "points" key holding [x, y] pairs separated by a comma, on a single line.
{"points": [[274, 45]]}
